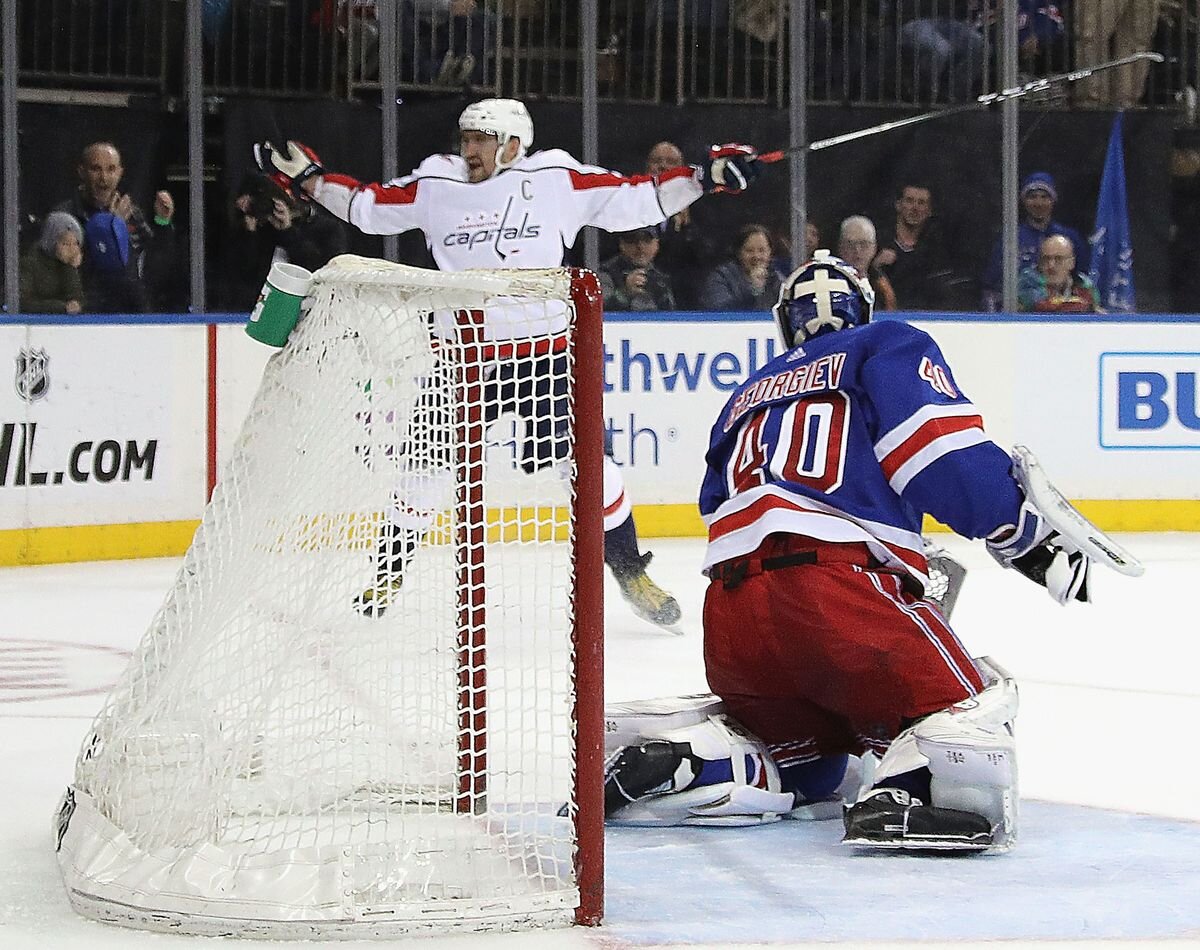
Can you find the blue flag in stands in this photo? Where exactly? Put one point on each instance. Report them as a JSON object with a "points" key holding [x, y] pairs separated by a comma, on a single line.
{"points": [[1112, 246]]}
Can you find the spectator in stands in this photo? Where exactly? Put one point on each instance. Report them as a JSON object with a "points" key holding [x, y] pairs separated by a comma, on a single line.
{"points": [[1111, 29], [1041, 34], [684, 252], [1038, 197], [630, 280], [50, 281], [812, 239], [853, 50], [747, 282], [267, 225], [441, 41], [781, 241], [857, 246], [946, 48], [449, 37], [913, 254], [128, 262], [947, 44], [1054, 285], [1042, 37]]}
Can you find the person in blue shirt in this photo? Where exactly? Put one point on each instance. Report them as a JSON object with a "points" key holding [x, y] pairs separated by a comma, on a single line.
{"points": [[1039, 194]]}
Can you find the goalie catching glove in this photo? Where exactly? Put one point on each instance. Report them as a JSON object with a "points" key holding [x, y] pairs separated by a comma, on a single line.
{"points": [[290, 169], [731, 168]]}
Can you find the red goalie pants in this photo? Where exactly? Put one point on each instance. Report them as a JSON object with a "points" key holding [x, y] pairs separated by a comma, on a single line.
{"points": [[828, 656]]}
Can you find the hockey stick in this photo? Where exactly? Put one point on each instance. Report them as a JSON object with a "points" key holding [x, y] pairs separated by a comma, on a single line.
{"points": [[1003, 95]]}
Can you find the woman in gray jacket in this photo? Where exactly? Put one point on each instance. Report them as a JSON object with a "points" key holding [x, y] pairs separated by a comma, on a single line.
{"points": [[747, 282]]}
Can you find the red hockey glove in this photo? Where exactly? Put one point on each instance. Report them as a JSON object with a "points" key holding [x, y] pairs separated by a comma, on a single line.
{"points": [[731, 168]]}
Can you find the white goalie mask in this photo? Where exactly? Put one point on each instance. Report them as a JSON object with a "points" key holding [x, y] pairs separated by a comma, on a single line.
{"points": [[820, 296], [504, 118]]}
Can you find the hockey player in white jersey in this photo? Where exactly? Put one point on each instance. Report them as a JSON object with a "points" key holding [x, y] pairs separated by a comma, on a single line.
{"points": [[496, 205]]}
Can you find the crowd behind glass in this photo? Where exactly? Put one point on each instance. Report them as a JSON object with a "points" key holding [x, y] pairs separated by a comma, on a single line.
{"points": [[100, 249]]}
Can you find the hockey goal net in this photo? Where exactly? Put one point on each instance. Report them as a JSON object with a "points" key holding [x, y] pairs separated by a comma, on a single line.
{"points": [[276, 763]]}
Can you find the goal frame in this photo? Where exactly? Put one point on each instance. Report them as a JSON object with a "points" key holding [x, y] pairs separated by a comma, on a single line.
{"points": [[588, 594], [588, 633], [93, 844]]}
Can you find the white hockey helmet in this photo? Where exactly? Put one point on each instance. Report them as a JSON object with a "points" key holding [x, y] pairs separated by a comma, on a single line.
{"points": [[504, 118]]}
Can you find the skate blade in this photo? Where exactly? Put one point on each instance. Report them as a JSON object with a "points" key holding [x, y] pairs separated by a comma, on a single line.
{"points": [[919, 844], [673, 628]]}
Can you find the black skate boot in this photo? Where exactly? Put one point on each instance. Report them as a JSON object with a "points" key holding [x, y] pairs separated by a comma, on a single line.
{"points": [[891, 818], [395, 550], [654, 765]]}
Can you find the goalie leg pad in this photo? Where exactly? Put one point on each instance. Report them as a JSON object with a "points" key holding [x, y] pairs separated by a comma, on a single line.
{"points": [[971, 757], [692, 762], [629, 723]]}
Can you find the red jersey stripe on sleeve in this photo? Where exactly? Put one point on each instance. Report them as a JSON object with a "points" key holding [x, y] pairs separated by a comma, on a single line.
{"points": [[344, 180], [929, 431], [681, 171], [394, 194], [581, 181]]}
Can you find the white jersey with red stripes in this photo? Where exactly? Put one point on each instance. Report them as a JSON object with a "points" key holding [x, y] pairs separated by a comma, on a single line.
{"points": [[525, 216], [853, 437]]}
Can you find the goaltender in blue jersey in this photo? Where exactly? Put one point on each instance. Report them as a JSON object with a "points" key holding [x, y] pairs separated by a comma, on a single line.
{"points": [[819, 640], [851, 437]]}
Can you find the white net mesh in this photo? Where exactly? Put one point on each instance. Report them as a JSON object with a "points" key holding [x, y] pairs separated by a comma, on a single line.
{"points": [[365, 667]]}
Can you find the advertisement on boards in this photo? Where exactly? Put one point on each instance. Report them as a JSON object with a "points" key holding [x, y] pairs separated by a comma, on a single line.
{"points": [[101, 424], [107, 424], [1101, 404], [664, 383], [1150, 401]]}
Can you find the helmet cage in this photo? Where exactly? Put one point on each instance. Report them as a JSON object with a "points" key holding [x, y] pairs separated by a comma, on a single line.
{"points": [[825, 294]]}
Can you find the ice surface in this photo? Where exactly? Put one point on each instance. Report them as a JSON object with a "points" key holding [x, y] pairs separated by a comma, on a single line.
{"points": [[1109, 851]]}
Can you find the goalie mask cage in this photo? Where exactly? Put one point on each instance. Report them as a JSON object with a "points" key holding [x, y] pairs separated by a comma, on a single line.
{"points": [[273, 763]]}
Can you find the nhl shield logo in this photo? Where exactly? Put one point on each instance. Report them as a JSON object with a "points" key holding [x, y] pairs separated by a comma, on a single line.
{"points": [[33, 375]]}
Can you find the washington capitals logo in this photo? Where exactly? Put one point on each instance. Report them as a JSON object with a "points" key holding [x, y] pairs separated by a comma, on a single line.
{"points": [[493, 230], [33, 376]]}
